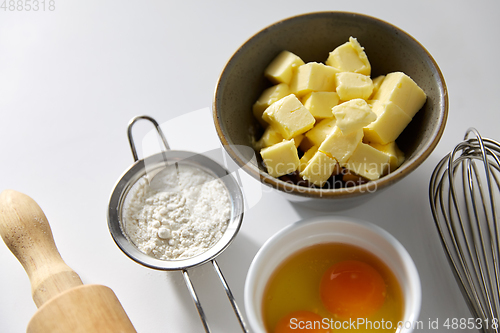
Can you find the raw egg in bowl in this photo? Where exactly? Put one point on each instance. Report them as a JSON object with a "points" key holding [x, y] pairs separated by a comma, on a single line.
{"points": [[332, 274]]}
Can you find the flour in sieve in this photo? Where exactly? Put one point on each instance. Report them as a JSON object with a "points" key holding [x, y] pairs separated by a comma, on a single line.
{"points": [[183, 220]]}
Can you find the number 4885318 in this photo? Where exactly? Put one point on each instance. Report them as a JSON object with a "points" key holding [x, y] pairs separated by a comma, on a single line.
{"points": [[28, 5]]}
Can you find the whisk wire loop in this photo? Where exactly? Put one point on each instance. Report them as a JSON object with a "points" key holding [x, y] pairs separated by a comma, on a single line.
{"points": [[480, 241], [464, 191], [494, 229]]}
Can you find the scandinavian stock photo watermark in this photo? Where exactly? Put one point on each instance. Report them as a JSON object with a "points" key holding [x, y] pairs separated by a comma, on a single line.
{"points": [[348, 185], [353, 324], [28, 5], [364, 324]]}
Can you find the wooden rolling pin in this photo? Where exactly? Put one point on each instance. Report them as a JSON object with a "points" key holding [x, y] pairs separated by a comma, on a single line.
{"points": [[64, 304]]}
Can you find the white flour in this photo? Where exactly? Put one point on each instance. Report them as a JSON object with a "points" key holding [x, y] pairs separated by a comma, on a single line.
{"points": [[185, 219]]}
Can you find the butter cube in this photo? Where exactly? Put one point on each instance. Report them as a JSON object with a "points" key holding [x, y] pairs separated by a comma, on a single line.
{"points": [[281, 69], [340, 146], [400, 89], [390, 122], [289, 117], [313, 76], [353, 115], [377, 82], [353, 85], [268, 97], [281, 158], [396, 156], [320, 103], [298, 140], [304, 160], [368, 162], [321, 130], [352, 180], [319, 169], [269, 138], [272, 137], [350, 57]]}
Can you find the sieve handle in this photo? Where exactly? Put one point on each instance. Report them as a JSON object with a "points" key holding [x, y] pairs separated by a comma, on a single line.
{"points": [[131, 138], [196, 300], [229, 294], [26, 231]]}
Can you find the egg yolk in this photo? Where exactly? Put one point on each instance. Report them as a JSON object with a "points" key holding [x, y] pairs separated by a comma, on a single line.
{"points": [[352, 289], [301, 321]]}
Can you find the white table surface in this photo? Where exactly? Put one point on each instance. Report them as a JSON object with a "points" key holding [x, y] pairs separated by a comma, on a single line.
{"points": [[72, 78]]}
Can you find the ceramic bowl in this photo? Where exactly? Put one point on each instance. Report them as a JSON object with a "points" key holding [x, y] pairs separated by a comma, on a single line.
{"points": [[312, 36], [327, 229]]}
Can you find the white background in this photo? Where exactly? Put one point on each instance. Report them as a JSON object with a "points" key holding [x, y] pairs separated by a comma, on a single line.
{"points": [[72, 78]]}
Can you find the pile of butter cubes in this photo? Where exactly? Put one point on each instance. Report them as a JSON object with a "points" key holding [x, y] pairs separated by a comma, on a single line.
{"points": [[335, 115]]}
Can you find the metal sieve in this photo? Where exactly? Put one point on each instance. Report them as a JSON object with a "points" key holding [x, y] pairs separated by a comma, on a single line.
{"points": [[151, 166]]}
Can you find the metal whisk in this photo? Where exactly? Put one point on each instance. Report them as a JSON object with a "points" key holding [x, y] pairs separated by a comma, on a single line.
{"points": [[464, 193]]}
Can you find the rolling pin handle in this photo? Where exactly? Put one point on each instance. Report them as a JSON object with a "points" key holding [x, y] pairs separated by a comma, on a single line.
{"points": [[26, 232]]}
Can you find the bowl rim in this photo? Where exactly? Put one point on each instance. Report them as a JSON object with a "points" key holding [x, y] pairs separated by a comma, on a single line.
{"points": [[409, 267], [353, 191]]}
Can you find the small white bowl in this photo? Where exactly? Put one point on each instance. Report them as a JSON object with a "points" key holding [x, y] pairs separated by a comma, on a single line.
{"points": [[332, 229]]}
